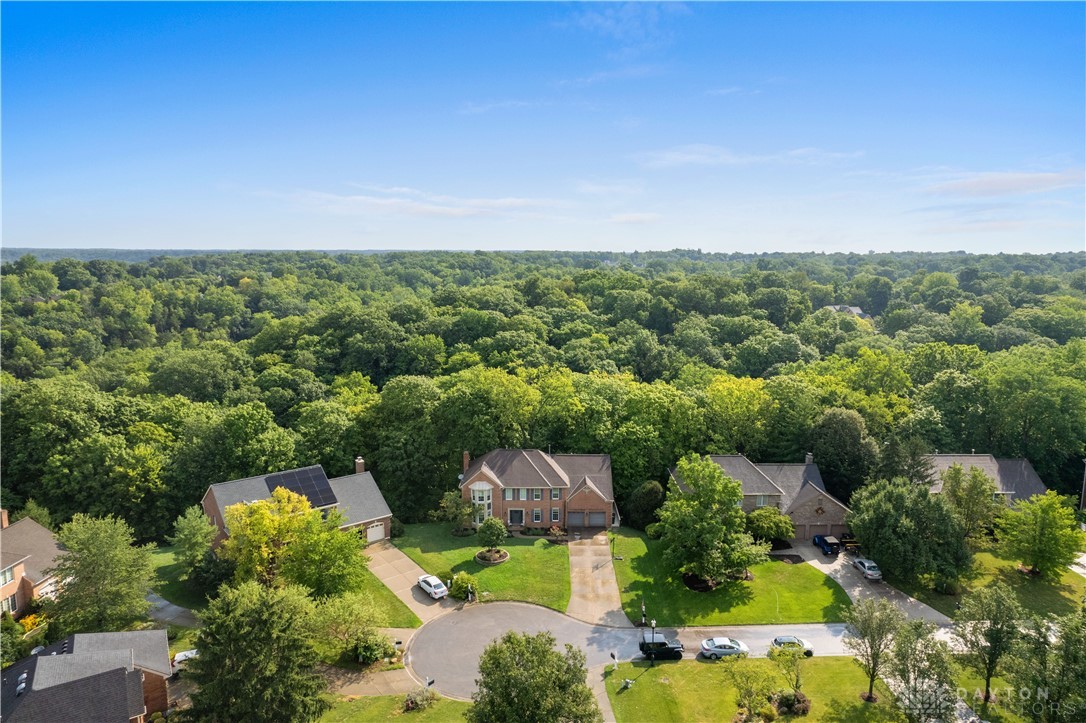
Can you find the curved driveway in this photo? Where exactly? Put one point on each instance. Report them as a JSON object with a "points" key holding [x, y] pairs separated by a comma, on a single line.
{"points": [[447, 649]]}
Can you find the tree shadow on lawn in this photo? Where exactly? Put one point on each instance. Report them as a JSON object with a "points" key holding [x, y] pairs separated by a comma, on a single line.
{"points": [[853, 710], [671, 603], [1057, 597]]}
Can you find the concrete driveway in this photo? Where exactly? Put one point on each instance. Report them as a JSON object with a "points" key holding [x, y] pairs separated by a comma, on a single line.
{"points": [[839, 568], [594, 596], [400, 574], [1079, 565]]}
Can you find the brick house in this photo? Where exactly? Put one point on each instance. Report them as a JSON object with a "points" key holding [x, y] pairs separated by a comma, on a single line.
{"points": [[355, 495], [795, 489], [530, 488], [27, 550], [1015, 479], [103, 677]]}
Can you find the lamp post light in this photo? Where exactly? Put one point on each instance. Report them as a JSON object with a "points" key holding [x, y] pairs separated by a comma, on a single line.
{"points": [[652, 659]]}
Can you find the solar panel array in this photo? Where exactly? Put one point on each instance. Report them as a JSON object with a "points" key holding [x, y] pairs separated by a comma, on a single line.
{"points": [[308, 481]]}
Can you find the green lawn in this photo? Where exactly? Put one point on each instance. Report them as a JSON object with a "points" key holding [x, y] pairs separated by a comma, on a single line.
{"points": [[170, 585], [696, 690], [779, 593], [179, 592], [390, 707], [971, 689], [1038, 596], [537, 571]]}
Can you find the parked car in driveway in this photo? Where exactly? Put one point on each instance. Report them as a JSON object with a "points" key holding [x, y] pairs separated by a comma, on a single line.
{"points": [[655, 646], [828, 544], [792, 642], [433, 587], [868, 568], [713, 648]]}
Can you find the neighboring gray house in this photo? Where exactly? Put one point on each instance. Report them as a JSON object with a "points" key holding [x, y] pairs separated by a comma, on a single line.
{"points": [[100, 677], [1015, 479], [846, 309], [356, 496], [796, 489]]}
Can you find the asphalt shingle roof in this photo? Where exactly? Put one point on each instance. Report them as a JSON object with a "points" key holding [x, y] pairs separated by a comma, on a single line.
{"points": [[27, 538], [533, 468], [790, 479], [1013, 477], [150, 648], [111, 696]]}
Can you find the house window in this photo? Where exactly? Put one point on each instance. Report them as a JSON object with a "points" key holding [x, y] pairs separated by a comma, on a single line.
{"points": [[9, 604], [481, 497], [537, 494], [507, 494], [556, 515], [7, 575], [537, 515], [556, 494], [761, 500]]}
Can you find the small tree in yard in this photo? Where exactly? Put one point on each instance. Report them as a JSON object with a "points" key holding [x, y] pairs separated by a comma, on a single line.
{"points": [[702, 529], [871, 628], [921, 673], [1043, 533], [790, 662], [492, 533], [988, 629], [523, 678], [193, 535], [769, 523], [343, 619], [752, 687], [455, 509], [972, 497]]}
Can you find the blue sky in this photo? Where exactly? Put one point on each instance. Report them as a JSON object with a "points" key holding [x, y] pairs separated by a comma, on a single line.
{"points": [[725, 127]]}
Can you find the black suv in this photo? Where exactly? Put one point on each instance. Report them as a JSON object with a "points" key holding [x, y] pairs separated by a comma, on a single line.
{"points": [[655, 646]]}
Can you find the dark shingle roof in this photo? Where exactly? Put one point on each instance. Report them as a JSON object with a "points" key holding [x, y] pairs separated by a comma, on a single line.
{"points": [[357, 495], [753, 479], [109, 696], [520, 468], [790, 479], [150, 648], [59, 669], [27, 538], [1013, 477], [588, 470]]}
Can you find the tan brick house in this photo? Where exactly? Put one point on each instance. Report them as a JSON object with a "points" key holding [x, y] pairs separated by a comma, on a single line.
{"points": [[530, 488], [27, 550], [796, 489]]}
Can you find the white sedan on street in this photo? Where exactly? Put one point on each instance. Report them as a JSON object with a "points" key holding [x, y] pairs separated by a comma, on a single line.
{"points": [[433, 587], [713, 648]]}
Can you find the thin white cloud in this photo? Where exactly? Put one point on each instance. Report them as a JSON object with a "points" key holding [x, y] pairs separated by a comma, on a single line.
{"points": [[710, 155], [403, 201], [472, 108], [635, 218], [636, 26], [979, 185]]}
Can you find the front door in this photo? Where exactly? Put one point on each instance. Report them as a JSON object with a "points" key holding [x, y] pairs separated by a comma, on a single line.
{"points": [[516, 518]]}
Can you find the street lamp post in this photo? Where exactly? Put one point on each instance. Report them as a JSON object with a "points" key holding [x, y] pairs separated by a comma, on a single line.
{"points": [[652, 658], [642, 611]]}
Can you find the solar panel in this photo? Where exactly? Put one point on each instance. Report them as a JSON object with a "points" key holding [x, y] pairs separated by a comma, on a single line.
{"points": [[311, 482]]}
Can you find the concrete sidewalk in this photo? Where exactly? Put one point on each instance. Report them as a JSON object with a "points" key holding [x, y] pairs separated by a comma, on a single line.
{"points": [[400, 574], [1079, 565], [357, 682], [594, 596], [839, 568]]}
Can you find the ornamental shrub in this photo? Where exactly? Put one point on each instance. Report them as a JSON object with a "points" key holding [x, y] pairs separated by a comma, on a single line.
{"points": [[459, 587]]}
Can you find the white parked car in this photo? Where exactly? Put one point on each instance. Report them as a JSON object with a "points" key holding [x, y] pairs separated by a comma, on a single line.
{"points": [[791, 641], [433, 587], [713, 648], [180, 658], [868, 568]]}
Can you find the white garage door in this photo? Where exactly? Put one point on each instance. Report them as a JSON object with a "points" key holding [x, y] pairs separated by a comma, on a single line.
{"points": [[575, 519], [597, 519], [375, 532]]}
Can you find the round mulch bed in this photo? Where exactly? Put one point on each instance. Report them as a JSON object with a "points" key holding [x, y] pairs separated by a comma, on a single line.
{"points": [[486, 557], [790, 559]]}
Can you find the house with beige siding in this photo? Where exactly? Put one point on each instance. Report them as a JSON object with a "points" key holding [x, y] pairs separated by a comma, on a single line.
{"points": [[530, 488], [796, 489]]}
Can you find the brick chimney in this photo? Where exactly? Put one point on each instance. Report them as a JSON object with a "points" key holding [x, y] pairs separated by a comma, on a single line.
{"points": [[467, 461], [3, 519], [359, 465], [809, 459]]}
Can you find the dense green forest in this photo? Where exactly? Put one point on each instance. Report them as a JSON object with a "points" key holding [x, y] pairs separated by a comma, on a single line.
{"points": [[129, 387]]}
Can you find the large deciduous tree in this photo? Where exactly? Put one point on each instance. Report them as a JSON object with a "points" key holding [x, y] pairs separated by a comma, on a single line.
{"points": [[909, 532], [106, 578], [284, 540], [1051, 657], [920, 671], [988, 627], [1042, 532], [702, 528], [972, 496], [844, 452], [257, 661], [872, 625], [523, 678], [193, 534]]}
